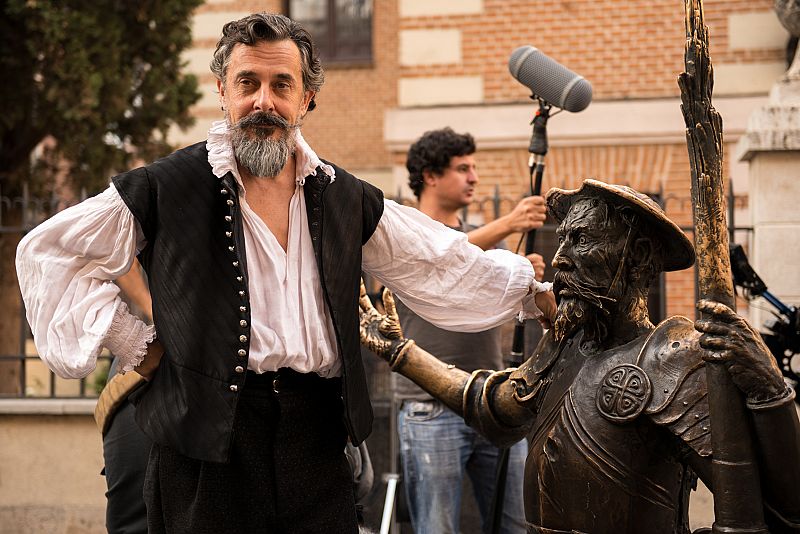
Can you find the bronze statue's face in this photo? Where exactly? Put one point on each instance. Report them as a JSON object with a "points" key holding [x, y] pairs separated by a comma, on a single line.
{"points": [[590, 247]]}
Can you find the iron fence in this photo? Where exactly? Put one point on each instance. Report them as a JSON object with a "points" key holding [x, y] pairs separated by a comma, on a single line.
{"points": [[29, 377], [35, 380]]}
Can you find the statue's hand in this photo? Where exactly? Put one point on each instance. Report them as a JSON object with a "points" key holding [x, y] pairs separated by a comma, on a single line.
{"points": [[380, 333], [728, 337]]}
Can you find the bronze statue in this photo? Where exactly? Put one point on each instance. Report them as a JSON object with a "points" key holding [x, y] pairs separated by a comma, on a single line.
{"points": [[615, 407]]}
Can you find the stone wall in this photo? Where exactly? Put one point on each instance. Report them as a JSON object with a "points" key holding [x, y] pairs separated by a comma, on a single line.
{"points": [[50, 462]]}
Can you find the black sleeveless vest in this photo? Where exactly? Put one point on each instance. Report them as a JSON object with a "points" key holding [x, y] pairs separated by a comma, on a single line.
{"points": [[197, 267]]}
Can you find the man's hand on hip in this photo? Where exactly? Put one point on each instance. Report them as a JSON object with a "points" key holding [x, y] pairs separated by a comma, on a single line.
{"points": [[152, 360]]}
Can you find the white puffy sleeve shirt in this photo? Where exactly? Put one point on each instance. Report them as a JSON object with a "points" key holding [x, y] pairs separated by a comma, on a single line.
{"points": [[444, 278], [66, 267]]}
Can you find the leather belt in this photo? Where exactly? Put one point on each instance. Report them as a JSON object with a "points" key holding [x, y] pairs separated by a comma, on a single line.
{"points": [[285, 379]]}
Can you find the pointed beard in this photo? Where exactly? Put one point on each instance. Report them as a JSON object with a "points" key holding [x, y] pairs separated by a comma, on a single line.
{"points": [[580, 307], [576, 314], [261, 155]]}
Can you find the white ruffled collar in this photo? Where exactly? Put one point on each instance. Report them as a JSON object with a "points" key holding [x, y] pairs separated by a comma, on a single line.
{"points": [[223, 160]]}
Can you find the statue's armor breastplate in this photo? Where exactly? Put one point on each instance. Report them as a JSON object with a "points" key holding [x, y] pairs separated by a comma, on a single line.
{"points": [[598, 470]]}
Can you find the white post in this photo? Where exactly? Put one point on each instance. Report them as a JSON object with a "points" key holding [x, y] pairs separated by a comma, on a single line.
{"points": [[388, 506]]}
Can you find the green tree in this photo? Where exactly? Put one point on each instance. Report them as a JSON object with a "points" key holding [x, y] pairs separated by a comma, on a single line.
{"points": [[101, 80]]}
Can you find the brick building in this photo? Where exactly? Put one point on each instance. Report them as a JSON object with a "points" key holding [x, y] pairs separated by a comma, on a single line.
{"points": [[397, 68], [433, 63]]}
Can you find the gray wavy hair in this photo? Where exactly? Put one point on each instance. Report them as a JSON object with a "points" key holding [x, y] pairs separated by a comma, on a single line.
{"points": [[259, 27]]}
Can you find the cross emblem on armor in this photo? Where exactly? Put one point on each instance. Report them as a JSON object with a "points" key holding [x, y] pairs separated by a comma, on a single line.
{"points": [[623, 393]]}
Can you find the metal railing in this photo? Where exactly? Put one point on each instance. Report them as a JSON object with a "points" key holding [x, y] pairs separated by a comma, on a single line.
{"points": [[34, 380], [22, 373]]}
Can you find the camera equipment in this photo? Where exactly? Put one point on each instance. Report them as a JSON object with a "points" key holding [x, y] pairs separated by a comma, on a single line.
{"points": [[783, 330]]}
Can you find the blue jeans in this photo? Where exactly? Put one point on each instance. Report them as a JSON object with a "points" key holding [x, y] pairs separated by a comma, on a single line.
{"points": [[436, 447]]}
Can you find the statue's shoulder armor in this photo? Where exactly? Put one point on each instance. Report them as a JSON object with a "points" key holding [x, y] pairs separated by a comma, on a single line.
{"points": [[528, 377], [671, 359], [541, 359]]}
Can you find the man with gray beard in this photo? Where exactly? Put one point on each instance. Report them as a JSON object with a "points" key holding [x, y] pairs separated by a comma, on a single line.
{"points": [[615, 407], [255, 150], [253, 246]]}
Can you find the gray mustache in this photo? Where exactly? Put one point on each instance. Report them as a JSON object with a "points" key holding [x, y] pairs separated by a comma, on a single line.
{"points": [[261, 120]]}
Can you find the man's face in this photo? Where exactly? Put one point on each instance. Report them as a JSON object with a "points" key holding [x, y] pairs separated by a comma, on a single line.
{"points": [[587, 260], [587, 246], [264, 102], [265, 77], [455, 187]]}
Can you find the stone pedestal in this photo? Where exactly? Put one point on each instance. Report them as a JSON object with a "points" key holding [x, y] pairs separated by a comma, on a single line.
{"points": [[772, 146]]}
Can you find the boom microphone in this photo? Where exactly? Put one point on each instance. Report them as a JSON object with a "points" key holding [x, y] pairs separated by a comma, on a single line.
{"points": [[550, 80]]}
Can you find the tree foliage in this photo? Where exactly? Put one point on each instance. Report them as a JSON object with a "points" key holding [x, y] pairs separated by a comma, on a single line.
{"points": [[101, 77]]}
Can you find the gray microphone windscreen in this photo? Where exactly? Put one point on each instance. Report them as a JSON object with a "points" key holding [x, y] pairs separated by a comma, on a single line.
{"points": [[549, 79]]}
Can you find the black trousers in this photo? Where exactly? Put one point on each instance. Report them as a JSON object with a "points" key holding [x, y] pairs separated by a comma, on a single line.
{"points": [[287, 472], [125, 451]]}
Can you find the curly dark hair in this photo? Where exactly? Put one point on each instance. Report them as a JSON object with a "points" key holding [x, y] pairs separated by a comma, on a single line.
{"points": [[432, 152], [271, 27]]}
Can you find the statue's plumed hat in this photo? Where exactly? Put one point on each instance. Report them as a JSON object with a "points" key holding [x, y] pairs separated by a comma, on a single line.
{"points": [[678, 250]]}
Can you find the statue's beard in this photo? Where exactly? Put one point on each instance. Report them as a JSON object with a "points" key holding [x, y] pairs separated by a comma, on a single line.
{"points": [[255, 150], [580, 306]]}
